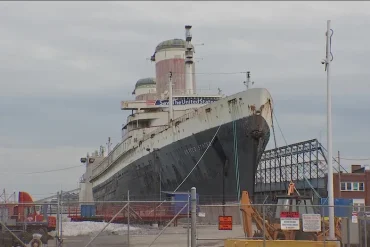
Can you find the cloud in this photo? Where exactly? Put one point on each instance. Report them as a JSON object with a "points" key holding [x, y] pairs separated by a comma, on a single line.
{"points": [[25, 160], [65, 67]]}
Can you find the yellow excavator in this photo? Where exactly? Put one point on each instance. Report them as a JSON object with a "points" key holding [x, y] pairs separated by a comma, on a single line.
{"points": [[271, 228]]}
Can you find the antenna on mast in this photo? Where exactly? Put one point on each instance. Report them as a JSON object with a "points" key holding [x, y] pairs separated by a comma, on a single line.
{"points": [[109, 145], [101, 153], [248, 79]]}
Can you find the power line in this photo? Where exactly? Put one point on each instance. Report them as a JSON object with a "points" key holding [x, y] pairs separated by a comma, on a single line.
{"points": [[353, 158], [40, 172], [333, 157]]}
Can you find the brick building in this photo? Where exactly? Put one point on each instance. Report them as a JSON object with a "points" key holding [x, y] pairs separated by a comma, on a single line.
{"points": [[354, 185]]}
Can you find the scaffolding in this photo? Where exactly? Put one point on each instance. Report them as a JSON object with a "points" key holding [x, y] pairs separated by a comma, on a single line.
{"points": [[304, 163]]}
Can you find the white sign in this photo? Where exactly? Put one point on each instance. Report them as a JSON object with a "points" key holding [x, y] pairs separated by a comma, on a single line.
{"points": [[289, 224], [201, 214], [311, 222], [289, 220], [354, 217]]}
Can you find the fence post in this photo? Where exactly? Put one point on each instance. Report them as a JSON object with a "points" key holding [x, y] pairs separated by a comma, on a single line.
{"points": [[350, 209], [57, 223], [264, 225], [61, 215], [188, 223], [365, 226], [128, 218], [193, 216]]}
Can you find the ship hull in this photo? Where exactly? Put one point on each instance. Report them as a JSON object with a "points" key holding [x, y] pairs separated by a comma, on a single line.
{"points": [[215, 175]]}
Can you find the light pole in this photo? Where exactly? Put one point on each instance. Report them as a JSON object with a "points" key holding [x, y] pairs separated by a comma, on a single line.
{"points": [[327, 62], [88, 160]]}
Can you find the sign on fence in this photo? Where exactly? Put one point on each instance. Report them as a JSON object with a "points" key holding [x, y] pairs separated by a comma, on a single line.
{"points": [[311, 222], [289, 220], [354, 217], [225, 222], [201, 214]]}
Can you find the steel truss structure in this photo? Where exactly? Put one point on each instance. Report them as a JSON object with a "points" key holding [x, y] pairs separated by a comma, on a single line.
{"points": [[303, 163]]}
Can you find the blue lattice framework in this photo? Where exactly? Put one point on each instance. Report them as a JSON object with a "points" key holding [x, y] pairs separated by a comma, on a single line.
{"points": [[304, 163]]}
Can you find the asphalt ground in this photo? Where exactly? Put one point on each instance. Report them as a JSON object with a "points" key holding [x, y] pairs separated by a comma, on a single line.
{"points": [[208, 236]]}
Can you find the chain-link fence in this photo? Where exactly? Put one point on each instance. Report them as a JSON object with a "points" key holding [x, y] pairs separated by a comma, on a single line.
{"points": [[300, 221], [25, 224], [127, 223], [172, 223]]}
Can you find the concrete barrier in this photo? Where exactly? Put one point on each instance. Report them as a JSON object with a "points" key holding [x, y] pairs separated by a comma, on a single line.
{"points": [[279, 243]]}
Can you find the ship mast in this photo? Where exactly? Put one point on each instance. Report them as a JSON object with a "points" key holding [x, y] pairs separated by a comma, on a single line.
{"points": [[170, 98], [248, 79], [188, 61]]}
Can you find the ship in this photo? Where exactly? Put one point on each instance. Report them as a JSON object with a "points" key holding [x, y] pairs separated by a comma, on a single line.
{"points": [[178, 137]]}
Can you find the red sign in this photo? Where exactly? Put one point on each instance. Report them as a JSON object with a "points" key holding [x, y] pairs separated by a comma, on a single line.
{"points": [[225, 222], [289, 215]]}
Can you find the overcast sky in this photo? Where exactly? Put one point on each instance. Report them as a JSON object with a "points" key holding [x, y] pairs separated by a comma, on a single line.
{"points": [[65, 67]]}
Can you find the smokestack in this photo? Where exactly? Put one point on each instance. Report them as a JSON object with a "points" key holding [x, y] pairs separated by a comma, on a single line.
{"points": [[189, 51]]}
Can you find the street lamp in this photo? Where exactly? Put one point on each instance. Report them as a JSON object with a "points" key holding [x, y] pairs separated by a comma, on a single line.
{"points": [[88, 160], [84, 160]]}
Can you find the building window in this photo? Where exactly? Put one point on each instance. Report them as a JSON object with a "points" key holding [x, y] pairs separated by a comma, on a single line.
{"points": [[361, 186], [355, 186], [352, 186], [349, 186], [359, 207]]}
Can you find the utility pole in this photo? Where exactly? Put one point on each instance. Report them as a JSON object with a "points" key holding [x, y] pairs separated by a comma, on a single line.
{"points": [[327, 62], [339, 178]]}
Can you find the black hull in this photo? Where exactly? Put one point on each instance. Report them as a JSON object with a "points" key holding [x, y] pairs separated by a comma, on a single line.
{"points": [[215, 173]]}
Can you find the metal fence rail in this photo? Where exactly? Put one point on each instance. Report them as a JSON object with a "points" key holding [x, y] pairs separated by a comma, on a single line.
{"points": [[186, 223]]}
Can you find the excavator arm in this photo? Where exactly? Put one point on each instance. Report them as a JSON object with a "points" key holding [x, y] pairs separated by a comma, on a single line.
{"points": [[250, 213], [273, 231]]}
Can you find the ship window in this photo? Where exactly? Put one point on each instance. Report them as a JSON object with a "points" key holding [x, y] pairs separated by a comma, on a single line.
{"points": [[208, 110]]}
